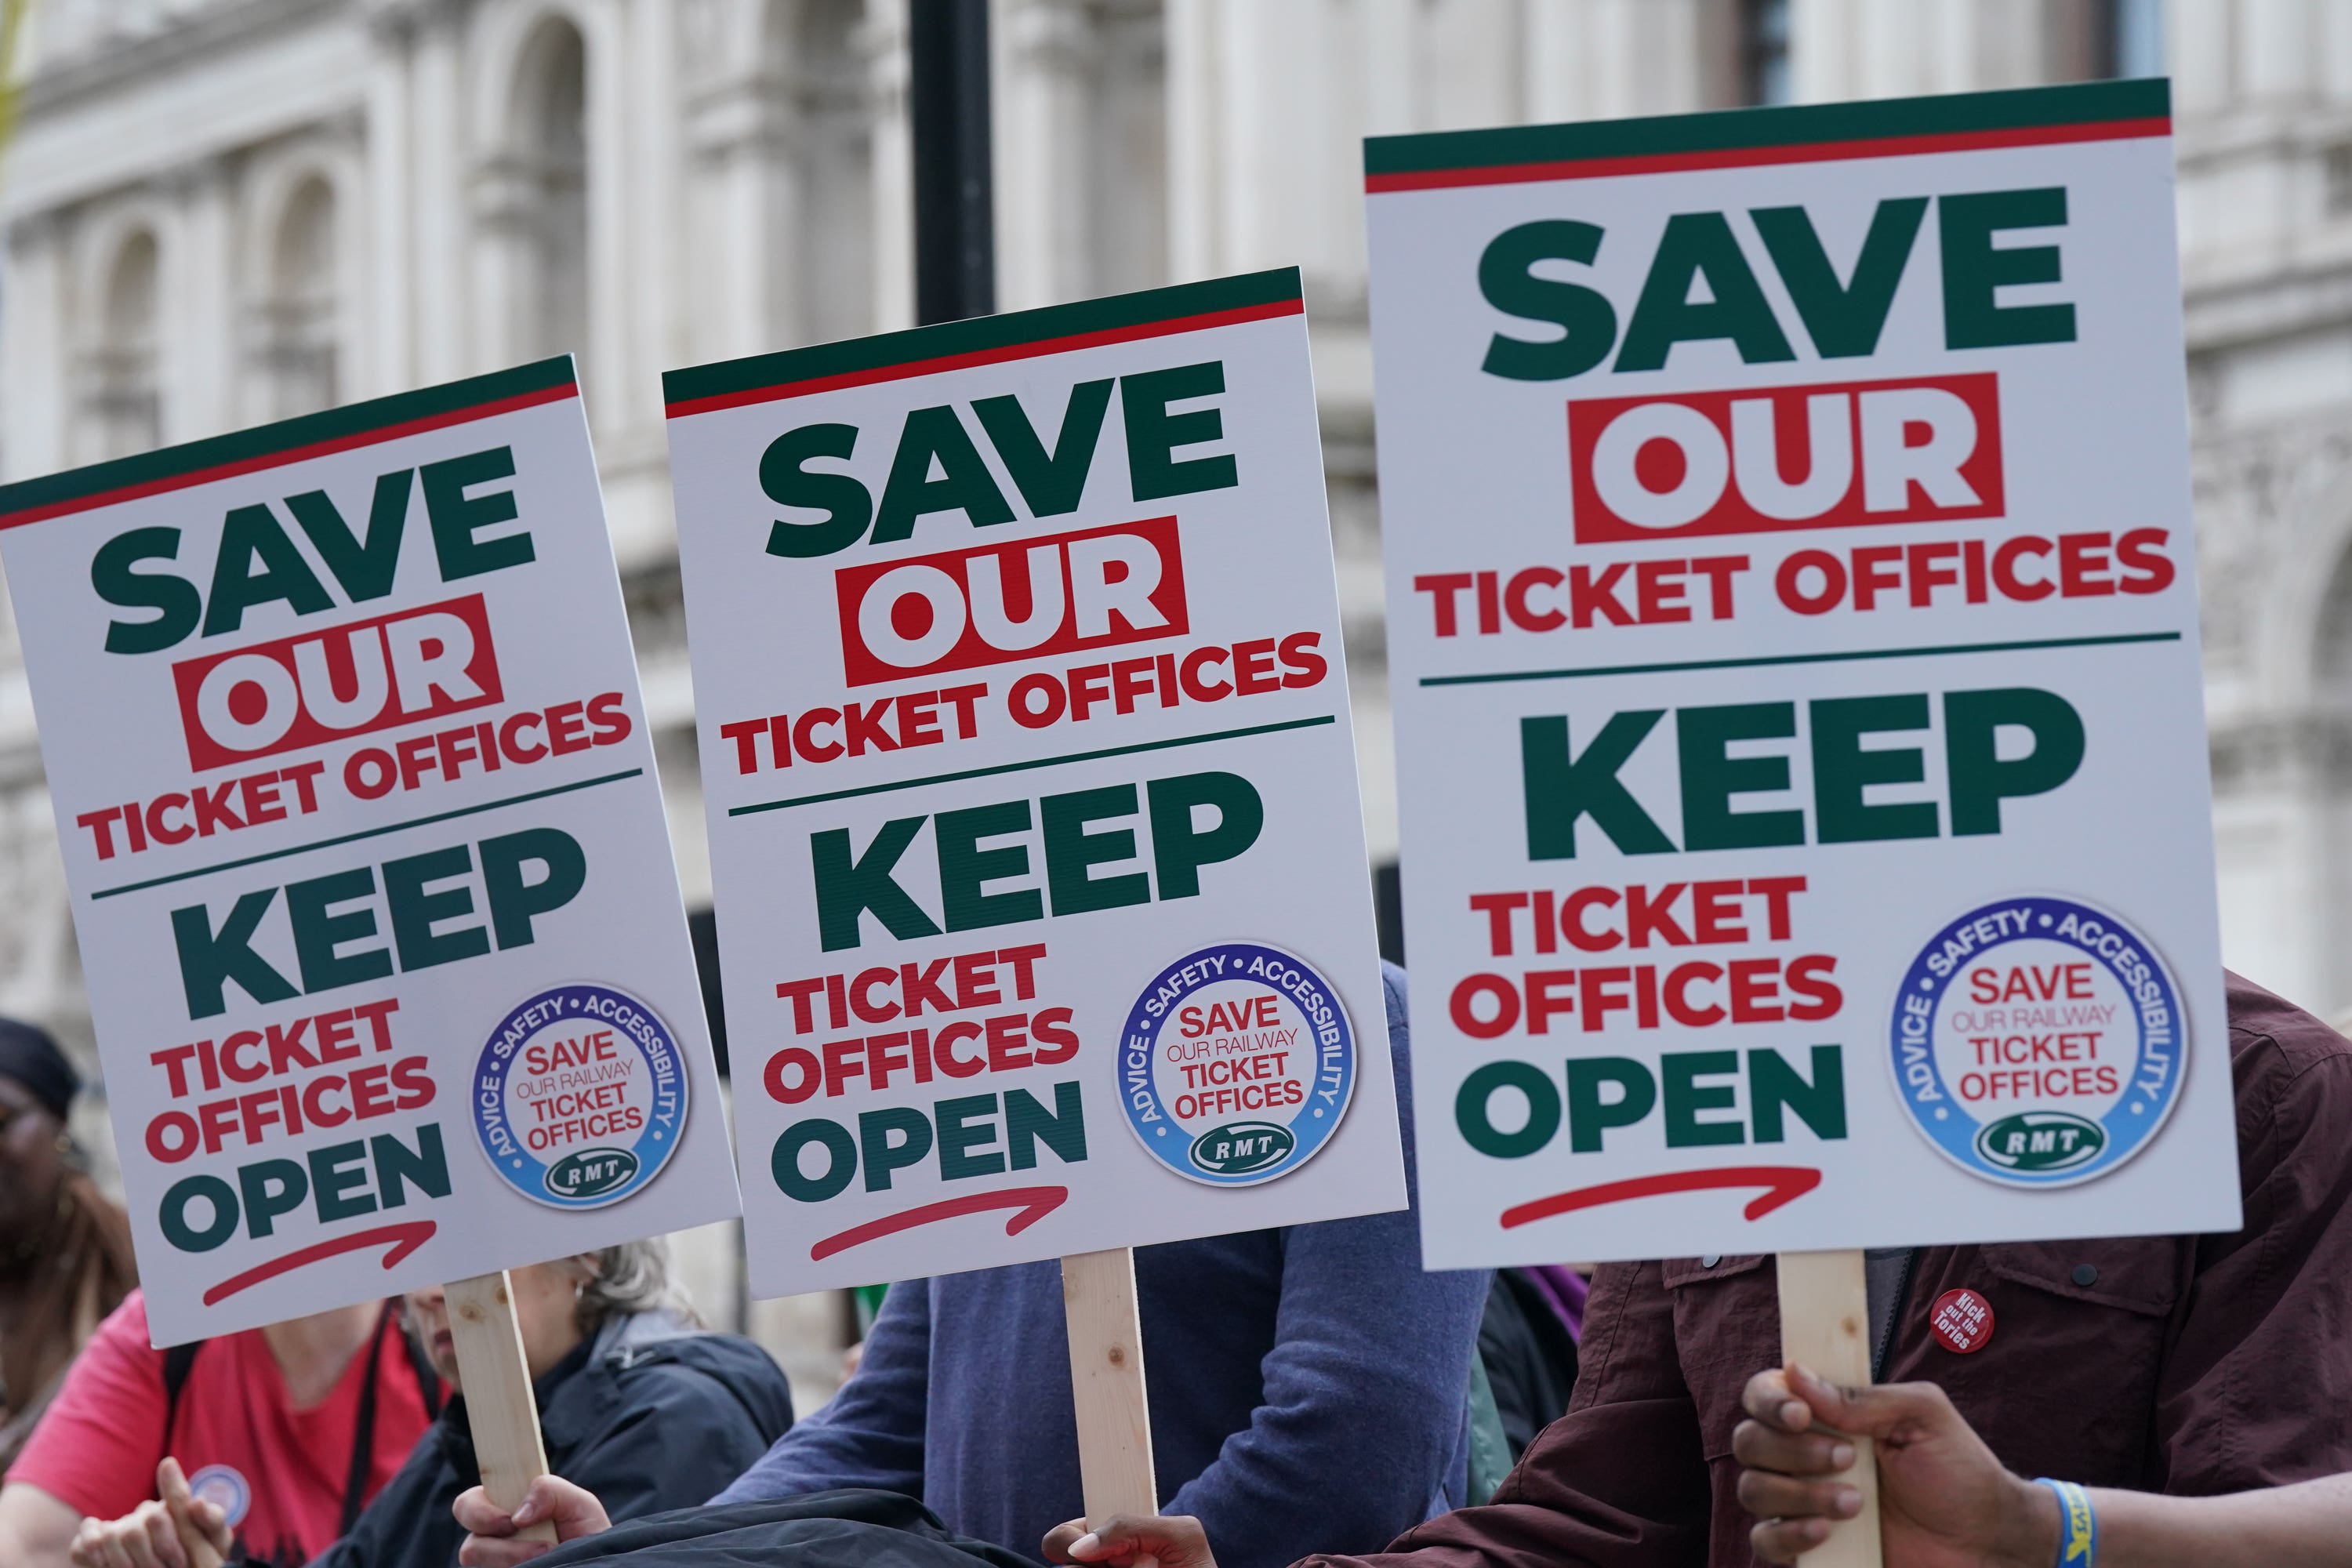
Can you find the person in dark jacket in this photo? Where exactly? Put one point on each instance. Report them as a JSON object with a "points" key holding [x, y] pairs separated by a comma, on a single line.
{"points": [[635, 1402], [2188, 1364]]}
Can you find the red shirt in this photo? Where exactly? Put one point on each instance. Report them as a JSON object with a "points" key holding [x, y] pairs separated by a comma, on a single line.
{"points": [[278, 1472]]}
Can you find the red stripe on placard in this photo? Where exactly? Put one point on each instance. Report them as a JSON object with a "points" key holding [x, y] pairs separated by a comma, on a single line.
{"points": [[290, 454], [1135, 332], [1035, 1204], [1782, 1185], [404, 1239], [1747, 157]]}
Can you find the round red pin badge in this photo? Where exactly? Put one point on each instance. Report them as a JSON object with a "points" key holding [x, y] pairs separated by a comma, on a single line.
{"points": [[1961, 1322]]}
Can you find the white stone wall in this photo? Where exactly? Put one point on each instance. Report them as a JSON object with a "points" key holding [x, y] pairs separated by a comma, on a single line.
{"points": [[221, 211]]}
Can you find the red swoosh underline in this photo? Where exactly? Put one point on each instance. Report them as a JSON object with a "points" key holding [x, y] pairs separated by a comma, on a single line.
{"points": [[404, 1238], [1782, 1185], [1035, 1204]]}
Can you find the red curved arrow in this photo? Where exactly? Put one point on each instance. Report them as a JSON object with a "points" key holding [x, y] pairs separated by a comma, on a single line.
{"points": [[1781, 1184], [1035, 1204], [404, 1237]]}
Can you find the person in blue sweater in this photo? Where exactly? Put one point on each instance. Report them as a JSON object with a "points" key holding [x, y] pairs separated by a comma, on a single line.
{"points": [[1308, 1388]]}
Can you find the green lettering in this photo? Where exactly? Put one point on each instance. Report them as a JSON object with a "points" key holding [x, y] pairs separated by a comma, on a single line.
{"points": [[1711, 775], [1557, 789], [965, 869], [785, 480], [1052, 483], [963, 485], [1843, 770], [847, 888], [1153, 433], [1507, 278], [456, 516], [256, 564], [1844, 320], [209, 959], [1978, 778], [1694, 246], [177, 605], [1975, 270]]}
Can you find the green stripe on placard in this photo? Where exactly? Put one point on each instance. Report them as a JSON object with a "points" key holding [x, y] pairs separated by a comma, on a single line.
{"points": [[1846, 656], [327, 427], [1789, 126], [979, 334], [369, 833], [1023, 767]]}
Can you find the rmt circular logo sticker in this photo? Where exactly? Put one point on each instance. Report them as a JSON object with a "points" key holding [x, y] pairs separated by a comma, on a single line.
{"points": [[2039, 1041], [1237, 1064], [580, 1097]]}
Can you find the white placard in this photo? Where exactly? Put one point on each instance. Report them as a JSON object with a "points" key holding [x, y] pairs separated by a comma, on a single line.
{"points": [[1044, 915], [1807, 834], [385, 951]]}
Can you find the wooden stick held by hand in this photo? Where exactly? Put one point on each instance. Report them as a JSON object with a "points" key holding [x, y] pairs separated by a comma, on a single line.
{"points": [[1107, 1381], [1825, 1324], [499, 1404]]}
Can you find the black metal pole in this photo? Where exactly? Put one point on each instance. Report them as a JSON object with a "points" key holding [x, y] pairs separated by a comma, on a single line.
{"points": [[955, 225]]}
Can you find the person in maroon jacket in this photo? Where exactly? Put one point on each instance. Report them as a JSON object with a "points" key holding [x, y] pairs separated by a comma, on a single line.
{"points": [[2188, 1364]]}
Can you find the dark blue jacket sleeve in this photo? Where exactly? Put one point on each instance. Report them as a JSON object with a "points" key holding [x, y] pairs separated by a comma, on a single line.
{"points": [[1363, 1429], [871, 1433]]}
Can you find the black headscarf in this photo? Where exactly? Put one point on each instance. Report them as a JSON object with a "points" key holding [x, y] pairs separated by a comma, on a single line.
{"points": [[33, 1059]]}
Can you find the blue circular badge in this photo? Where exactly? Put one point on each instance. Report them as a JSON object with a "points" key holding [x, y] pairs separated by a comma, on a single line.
{"points": [[1237, 1064], [227, 1489], [2039, 1041], [580, 1097]]}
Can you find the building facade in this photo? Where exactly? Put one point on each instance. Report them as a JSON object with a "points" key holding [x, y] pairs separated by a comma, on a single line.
{"points": [[218, 211]]}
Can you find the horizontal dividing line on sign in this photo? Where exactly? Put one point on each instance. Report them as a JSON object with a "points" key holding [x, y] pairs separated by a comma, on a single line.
{"points": [[1020, 767], [524, 799], [1845, 656]]}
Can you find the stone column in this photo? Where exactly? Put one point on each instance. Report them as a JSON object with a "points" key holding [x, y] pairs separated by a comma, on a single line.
{"points": [[894, 172], [196, 308], [33, 351]]}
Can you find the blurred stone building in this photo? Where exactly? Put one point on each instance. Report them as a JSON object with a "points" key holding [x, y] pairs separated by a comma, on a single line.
{"points": [[217, 212]]}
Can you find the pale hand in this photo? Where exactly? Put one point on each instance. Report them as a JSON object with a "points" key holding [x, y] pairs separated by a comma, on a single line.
{"points": [[490, 1540], [178, 1530], [1131, 1540]]}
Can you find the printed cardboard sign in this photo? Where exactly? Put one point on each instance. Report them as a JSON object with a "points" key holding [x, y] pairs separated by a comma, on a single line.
{"points": [[1792, 608], [386, 956], [1043, 914]]}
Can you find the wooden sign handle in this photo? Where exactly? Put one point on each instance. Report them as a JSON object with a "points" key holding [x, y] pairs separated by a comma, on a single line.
{"points": [[1107, 1381], [1825, 1324], [499, 1404]]}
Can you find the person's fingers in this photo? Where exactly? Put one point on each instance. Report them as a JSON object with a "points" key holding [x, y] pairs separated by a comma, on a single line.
{"points": [[1055, 1547], [574, 1510], [479, 1515], [1767, 1496], [1786, 1540], [112, 1552], [1768, 1399], [199, 1531], [1760, 1447], [1876, 1410], [161, 1540]]}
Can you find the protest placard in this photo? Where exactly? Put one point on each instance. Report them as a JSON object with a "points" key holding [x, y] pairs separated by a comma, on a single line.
{"points": [[1792, 606], [1043, 917], [386, 956], [1806, 826]]}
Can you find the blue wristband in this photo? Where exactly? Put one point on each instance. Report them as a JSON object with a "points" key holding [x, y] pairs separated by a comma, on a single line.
{"points": [[2078, 1524]]}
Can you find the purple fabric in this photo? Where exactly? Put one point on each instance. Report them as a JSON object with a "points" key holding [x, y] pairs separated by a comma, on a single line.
{"points": [[1565, 1289]]}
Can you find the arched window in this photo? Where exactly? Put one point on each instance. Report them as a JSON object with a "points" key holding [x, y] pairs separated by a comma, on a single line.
{"points": [[122, 404], [298, 362], [835, 157], [550, 143]]}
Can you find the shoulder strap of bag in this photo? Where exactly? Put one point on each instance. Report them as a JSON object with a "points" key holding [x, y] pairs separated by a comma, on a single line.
{"points": [[178, 1362]]}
